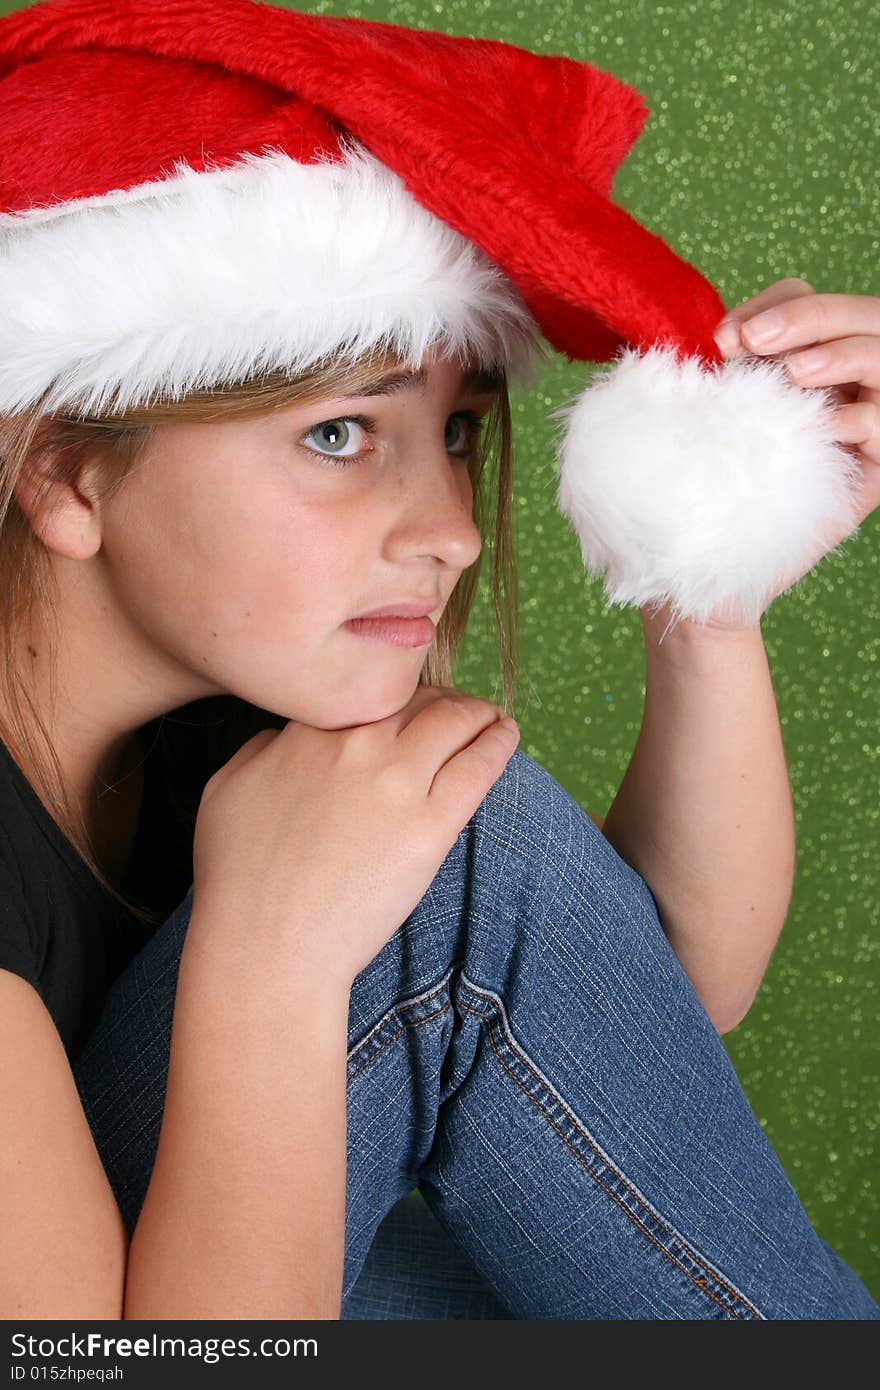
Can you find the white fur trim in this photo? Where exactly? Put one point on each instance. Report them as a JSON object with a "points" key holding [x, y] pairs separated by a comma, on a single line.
{"points": [[201, 279], [698, 487]]}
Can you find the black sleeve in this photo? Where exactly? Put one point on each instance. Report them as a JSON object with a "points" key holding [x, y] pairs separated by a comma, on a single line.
{"points": [[17, 950]]}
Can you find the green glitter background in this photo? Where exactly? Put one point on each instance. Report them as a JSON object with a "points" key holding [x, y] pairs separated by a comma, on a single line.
{"points": [[759, 160]]}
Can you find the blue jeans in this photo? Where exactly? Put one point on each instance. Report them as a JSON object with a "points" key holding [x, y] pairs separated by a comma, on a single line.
{"points": [[528, 1051]]}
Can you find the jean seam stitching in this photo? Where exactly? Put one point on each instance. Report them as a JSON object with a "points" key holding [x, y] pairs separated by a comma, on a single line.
{"points": [[698, 1283], [407, 1023], [148, 1121]]}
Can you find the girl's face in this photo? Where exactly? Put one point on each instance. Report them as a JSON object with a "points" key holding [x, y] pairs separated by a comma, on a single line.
{"points": [[239, 549]]}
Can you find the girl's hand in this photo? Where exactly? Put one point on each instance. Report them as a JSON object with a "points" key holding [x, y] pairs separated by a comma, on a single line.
{"points": [[331, 837], [845, 330]]}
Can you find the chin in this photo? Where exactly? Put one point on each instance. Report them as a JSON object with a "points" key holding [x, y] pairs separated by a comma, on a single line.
{"points": [[369, 711]]}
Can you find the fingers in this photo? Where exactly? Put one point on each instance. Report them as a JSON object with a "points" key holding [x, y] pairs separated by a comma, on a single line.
{"points": [[452, 716], [729, 337], [859, 424], [441, 731], [422, 698], [790, 315], [425, 696], [461, 784], [854, 361], [817, 318]]}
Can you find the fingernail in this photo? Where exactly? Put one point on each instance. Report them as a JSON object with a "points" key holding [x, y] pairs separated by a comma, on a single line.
{"points": [[727, 336], [763, 328]]}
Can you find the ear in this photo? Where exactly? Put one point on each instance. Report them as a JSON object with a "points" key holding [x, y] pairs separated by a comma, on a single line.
{"points": [[64, 515]]}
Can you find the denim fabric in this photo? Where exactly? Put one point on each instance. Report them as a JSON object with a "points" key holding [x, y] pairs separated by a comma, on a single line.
{"points": [[529, 1052]]}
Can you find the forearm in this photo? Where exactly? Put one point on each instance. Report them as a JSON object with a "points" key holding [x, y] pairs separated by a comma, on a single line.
{"points": [[244, 1216], [705, 813]]}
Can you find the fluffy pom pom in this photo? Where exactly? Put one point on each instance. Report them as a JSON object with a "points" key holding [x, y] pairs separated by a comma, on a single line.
{"points": [[697, 487]]}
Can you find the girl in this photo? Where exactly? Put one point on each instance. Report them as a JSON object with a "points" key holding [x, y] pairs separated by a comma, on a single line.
{"points": [[290, 925]]}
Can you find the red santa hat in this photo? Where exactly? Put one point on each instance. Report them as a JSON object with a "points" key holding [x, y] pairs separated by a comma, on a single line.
{"points": [[197, 191]]}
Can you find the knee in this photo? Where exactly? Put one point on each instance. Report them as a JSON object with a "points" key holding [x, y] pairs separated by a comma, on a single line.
{"points": [[527, 798], [529, 829]]}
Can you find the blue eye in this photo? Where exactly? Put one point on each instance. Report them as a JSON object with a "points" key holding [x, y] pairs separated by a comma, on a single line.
{"points": [[335, 435]]}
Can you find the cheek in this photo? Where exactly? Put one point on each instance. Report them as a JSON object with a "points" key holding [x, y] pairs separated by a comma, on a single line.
{"points": [[221, 563], [292, 581], [295, 568], [247, 588]]}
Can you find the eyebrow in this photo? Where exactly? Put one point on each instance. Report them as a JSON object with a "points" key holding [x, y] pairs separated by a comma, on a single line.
{"points": [[477, 382]]}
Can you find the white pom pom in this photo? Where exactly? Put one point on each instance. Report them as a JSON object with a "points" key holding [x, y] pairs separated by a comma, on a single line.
{"points": [[698, 487]]}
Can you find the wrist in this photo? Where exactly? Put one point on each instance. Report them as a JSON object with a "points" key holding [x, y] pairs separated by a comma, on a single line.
{"points": [[658, 626], [697, 650], [252, 948]]}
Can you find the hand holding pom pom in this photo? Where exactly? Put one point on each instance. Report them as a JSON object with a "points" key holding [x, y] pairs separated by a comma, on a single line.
{"points": [[708, 491]]}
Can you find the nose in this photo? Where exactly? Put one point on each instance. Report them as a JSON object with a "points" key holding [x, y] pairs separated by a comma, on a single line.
{"points": [[436, 516]]}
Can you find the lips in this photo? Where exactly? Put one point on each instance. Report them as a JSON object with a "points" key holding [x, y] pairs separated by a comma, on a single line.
{"points": [[395, 631]]}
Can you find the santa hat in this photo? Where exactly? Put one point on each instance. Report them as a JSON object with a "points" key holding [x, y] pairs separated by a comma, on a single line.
{"points": [[196, 191]]}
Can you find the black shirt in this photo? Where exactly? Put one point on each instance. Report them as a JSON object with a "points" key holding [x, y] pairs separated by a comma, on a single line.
{"points": [[59, 928]]}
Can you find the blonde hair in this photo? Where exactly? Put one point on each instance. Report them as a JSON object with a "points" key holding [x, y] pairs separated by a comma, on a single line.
{"points": [[116, 441]]}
